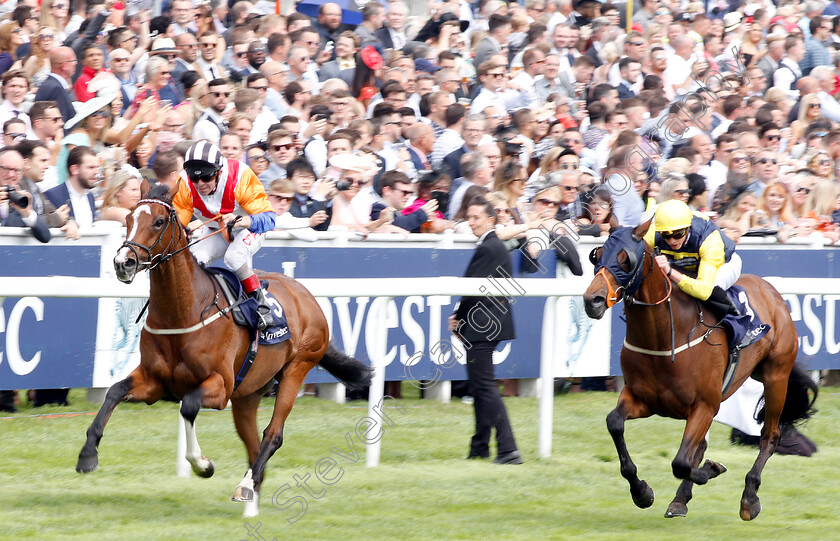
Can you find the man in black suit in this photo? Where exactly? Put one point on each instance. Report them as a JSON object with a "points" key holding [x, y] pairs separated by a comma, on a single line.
{"points": [[17, 211], [83, 171], [481, 323], [329, 25], [392, 34], [57, 86], [474, 127]]}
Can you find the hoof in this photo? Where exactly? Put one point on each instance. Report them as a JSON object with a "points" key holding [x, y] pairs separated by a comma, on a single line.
{"points": [[750, 511], [676, 509], [243, 494], [206, 472], [715, 468], [644, 499], [87, 464]]}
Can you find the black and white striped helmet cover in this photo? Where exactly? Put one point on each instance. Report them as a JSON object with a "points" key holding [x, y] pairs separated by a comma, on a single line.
{"points": [[205, 151]]}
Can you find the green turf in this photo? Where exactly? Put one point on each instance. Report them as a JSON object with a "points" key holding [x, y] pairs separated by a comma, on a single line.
{"points": [[424, 488]]}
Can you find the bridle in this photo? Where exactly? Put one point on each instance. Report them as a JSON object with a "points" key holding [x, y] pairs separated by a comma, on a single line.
{"points": [[165, 255]]}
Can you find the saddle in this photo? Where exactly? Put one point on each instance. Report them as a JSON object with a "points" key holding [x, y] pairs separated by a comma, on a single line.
{"points": [[244, 310], [741, 331]]}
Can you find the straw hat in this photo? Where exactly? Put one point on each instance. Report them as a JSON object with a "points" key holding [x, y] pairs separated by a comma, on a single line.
{"points": [[88, 108]]}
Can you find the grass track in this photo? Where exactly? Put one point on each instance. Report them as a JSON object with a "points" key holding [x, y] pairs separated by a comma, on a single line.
{"points": [[424, 489]]}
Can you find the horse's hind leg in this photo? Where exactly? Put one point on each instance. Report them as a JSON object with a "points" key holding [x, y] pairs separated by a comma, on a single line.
{"points": [[775, 391], [287, 391], [137, 388], [629, 408]]}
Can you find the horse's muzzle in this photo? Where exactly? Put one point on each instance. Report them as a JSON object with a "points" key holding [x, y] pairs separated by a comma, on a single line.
{"points": [[125, 266], [595, 306]]}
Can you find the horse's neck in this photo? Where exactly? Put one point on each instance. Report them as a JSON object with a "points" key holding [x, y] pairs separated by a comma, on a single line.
{"points": [[178, 290], [651, 325]]}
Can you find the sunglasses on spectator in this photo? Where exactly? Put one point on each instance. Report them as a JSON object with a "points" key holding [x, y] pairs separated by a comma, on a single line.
{"points": [[47, 36], [814, 105], [284, 146], [220, 94], [496, 75], [260, 88], [549, 202], [773, 137], [120, 59], [684, 191], [277, 197], [16, 136], [570, 188], [239, 55], [208, 45], [253, 157], [637, 43], [680, 233], [740, 159], [764, 161], [803, 190], [59, 6]]}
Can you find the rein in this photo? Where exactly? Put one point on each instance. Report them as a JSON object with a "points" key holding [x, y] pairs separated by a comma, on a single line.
{"points": [[630, 299], [166, 255]]}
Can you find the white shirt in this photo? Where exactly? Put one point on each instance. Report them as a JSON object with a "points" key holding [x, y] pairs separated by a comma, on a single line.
{"points": [[7, 112], [784, 77], [829, 106], [528, 94], [210, 127], [210, 71], [715, 175], [678, 70], [263, 121], [487, 98], [81, 206], [315, 153]]}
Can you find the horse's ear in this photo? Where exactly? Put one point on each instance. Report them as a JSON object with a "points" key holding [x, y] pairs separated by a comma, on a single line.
{"points": [[641, 230], [170, 195], [145, 187]]}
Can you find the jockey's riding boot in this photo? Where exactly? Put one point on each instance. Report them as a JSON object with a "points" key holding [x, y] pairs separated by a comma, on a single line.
{"points": [[723, 304], [252, 288], [264, 317]]}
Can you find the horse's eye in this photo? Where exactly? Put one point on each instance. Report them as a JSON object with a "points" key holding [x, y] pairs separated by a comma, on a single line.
{"points": [[158, 223]]}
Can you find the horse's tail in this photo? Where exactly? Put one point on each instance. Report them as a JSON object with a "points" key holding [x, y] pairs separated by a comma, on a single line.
{"points": [[801, 394], [349, 371]]}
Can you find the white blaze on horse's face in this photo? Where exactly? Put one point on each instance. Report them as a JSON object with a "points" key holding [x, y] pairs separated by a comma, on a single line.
{"points": [[123, 252]]}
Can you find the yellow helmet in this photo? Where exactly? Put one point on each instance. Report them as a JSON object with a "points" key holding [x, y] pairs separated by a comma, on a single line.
{"points": [[672, 215]]}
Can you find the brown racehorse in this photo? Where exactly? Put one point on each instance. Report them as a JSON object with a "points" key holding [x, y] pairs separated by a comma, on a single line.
{"points": [[198, 364], [662, 319]]}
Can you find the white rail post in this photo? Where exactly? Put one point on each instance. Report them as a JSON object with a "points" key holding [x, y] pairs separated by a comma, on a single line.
{"points": [[547, 376], [376, 393]]}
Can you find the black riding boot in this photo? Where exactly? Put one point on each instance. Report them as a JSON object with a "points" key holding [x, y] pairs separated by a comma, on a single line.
{"points": [[264, 317], [722, 305]]}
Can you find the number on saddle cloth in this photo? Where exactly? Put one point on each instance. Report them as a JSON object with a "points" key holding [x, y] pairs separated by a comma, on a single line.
{"points": [[746, 329]]}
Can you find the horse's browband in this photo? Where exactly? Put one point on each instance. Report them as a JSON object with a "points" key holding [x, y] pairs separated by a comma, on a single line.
{"points": [[158, 201]]}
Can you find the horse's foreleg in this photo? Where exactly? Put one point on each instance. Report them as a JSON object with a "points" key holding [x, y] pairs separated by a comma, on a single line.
{"points": [[209, 393], [287, 390], [136, 388], [775, 392], [688, 457], [629, 408], [679, 505], [245, 419]]}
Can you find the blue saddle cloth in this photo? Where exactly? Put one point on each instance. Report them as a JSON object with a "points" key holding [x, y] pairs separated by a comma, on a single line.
{"points": [[275, 334], [746, 329]]}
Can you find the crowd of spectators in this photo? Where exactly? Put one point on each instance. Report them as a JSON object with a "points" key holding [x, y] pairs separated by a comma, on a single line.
{"points": [[729, 106]]}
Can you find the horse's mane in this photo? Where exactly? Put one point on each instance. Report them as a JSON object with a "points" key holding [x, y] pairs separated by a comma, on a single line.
{"points": [[159, 192]]}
